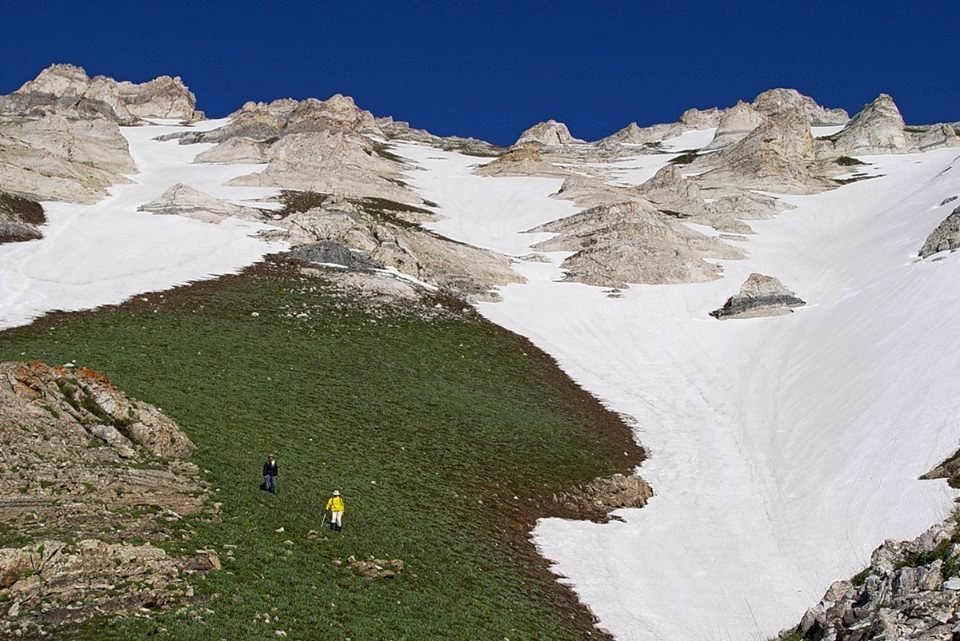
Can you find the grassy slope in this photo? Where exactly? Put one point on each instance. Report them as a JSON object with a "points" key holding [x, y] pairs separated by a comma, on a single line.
{"points": [[429, 428]]}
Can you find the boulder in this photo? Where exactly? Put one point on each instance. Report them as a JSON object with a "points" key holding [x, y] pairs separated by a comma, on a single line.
{"points": [[760, 295], [946, 237], [20, 218]]}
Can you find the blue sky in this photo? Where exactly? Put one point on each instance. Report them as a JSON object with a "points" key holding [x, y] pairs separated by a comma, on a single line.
{"points": [[491, 69]]}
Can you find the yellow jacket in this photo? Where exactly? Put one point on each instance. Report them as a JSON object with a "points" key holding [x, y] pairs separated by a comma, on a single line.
{"points": [[335, 504]]}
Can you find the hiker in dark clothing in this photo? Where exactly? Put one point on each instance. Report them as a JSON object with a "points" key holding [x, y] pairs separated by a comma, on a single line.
{"points": [[270, 473]]}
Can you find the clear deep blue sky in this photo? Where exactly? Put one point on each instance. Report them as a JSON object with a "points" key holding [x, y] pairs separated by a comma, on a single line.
{"points": [[491, 69]]}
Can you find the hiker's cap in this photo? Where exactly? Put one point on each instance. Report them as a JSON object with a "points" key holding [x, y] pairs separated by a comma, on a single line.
{"points": [[336, 493]]}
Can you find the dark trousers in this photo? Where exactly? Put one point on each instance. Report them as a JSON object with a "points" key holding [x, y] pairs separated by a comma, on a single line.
{"points": [[270, 483]]}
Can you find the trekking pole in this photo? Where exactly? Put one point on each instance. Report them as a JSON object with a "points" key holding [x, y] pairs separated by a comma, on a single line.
{"points": [[324, 519]]}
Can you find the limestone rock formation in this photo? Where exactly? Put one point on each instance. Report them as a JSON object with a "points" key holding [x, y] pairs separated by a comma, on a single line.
{"points": [[237, 151], [701, 118], [910, 591], [383, 238], [523, 159], [548, 133], [877, 129], [183, 200], [82, 460], [777, 156], [760, 295], [632, 242], [54, 580], [934, 137], [62, 157], [775, 101], [946, 237], [20, 218], [340, 163], [127, 103], [399, 130], [735, 124]]}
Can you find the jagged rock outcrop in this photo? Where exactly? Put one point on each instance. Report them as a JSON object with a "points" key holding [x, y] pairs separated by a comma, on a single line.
{"points": [[183, 200], [587, 191], [946, 237], [681, 197], [735, 124], [67, 86], [523, 159], [760, 295], [462, 270], [777, 156], [81, 460], [934, 137], [20, 218], [776, 101], [340, 163], [910, 592], [54, 581], [877, 129], [701, 118], [400, 130], [548, 133], [632, 242]]}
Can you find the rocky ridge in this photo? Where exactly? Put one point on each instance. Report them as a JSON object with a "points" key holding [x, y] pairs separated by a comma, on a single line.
{"points": [[85, 470], [548, 133], [910, 591]]}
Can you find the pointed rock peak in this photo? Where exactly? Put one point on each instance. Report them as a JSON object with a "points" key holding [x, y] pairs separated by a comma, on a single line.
{"points": [[550, 132], [735, 124], [878, 128], [774, 101], [760, 295], [58, 80]]}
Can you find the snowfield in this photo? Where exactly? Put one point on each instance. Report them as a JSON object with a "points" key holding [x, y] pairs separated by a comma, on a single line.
{"points": [[102, 254], [782, 450]]}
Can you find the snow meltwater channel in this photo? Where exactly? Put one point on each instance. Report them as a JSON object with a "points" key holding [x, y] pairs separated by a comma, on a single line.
{"points": [[101, 254], [782, 450]]}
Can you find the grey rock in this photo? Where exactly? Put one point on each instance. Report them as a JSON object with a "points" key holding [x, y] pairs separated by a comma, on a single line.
{"points": [[760, 295], [333, 253], [946, 237], [548, 133]]}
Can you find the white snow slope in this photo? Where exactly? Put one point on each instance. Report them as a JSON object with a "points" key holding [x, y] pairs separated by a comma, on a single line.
{"points": [[102, 254], [782, 450]]}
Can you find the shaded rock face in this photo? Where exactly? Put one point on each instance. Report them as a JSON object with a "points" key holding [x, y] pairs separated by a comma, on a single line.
{"points": [[84, 462], [183, 200], [910, 591], [632, 242], [20, 218], [330, 252], [776, 101], [760, 295], [736, 123], [548, 133], [935, 137], [701, 118], [877, 129], [946, 237]]}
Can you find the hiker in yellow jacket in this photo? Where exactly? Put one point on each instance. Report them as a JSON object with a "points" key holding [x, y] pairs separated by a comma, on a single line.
{"points": [[335, 507]]}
